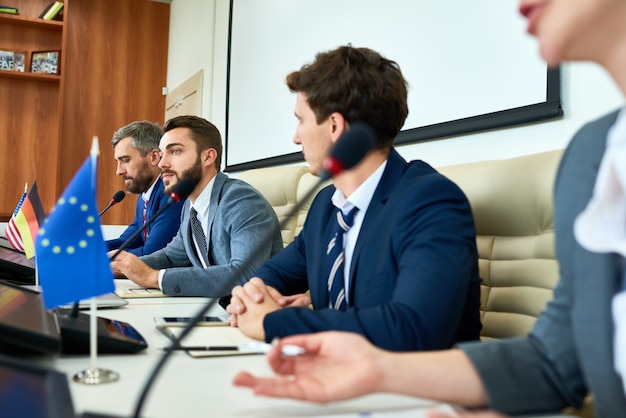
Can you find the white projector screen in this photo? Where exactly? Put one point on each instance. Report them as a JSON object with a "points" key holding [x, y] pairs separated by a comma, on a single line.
{"points": [[469, 64]]}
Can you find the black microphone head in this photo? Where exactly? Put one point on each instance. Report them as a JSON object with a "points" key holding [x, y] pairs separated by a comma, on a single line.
{"points": [[118, 197], [183, 189], [350, 149]]}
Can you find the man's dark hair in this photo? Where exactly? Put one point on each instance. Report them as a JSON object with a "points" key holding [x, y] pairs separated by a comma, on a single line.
{"points": [[203, 133], [358, 83]]}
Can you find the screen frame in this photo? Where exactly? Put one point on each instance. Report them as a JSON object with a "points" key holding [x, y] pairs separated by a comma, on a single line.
{"points": [[550, 108]]}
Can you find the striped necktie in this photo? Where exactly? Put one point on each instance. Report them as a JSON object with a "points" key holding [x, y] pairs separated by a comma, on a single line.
{"points": [[335, 261]]}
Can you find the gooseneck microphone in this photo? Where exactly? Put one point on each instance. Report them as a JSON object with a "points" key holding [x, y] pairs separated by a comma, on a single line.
{"points": [[349, 150], [181, 190], [117, 198]]}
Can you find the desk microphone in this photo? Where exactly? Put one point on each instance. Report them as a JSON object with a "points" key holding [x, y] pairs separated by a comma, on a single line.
{"points": [[181, 190], [117, 198], [349, 150]]}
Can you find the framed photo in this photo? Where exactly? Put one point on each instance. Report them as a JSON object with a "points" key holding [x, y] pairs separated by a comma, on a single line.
{"points": [[46, 62], [12, 60]]}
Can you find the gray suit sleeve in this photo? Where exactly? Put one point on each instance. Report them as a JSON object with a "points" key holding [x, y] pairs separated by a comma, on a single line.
{"points": [[244, 234]]}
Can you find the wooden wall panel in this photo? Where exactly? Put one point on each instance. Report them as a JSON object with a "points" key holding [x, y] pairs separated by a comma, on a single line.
{"points": [[115, 68], [29, 109]]}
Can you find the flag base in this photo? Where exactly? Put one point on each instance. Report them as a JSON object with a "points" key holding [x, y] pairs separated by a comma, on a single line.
{"points": [[96, 376]]}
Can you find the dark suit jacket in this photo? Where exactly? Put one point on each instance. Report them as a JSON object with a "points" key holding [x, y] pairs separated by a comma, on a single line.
{"points": [[160, 232], [414, 273], [570, 349]]}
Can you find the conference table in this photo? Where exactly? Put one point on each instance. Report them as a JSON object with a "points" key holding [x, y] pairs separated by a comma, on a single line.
{"points": [[200, 387]]}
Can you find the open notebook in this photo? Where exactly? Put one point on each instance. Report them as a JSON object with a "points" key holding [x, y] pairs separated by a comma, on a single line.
{"points": [[129, 290]]}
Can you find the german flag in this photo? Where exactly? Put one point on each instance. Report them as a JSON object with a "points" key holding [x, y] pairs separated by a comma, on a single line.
{"points": [[23, 226]]}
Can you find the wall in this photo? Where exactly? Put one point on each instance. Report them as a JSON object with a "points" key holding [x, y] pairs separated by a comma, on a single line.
{"points": [[199, 39]]}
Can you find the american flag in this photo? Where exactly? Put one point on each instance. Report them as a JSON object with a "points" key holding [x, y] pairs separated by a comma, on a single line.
{"points": [[10, 231], [24, 224]]}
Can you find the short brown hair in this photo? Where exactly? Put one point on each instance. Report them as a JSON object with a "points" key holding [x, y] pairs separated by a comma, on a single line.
{"points": [[204, 134], [358, 83]]}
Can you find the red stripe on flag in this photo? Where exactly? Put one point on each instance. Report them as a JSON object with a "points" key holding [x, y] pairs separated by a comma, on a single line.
{"points": [[13, 235]]}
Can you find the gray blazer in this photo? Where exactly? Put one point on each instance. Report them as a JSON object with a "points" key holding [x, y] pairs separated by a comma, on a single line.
{"points": [[570, 350], [240, 220]]}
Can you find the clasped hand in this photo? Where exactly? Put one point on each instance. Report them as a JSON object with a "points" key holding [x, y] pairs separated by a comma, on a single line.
{"points": [[251, 302]]}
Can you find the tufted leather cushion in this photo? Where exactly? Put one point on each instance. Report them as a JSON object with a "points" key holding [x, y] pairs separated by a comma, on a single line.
{"points": [[512, 205], [279, 185]]}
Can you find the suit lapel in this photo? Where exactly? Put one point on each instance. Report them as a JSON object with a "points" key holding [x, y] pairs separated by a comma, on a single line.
{"points": [[392, 174]]}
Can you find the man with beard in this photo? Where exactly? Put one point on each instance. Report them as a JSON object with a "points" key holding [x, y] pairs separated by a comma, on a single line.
{"points": [[136, 150], [227, 227]]}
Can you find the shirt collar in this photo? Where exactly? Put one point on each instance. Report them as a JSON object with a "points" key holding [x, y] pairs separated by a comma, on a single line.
{"points": [[201, 205], [362, 196], [146, 195]]}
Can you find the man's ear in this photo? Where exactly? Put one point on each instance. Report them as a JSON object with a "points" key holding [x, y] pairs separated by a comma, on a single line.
{"points": [[208, 157], [155, 157], [338, 125]]}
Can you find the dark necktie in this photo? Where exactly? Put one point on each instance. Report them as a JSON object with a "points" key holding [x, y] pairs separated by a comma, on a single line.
{"points": [[198, 234], [145, 212], [335, 260]]}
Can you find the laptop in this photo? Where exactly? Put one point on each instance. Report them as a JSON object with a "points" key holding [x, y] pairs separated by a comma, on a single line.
{"points": [[34, 391], [26, 327], [15, 268]]}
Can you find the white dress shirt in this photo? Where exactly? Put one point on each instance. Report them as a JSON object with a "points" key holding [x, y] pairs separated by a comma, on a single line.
{"points": [[201, 205], [361, 198]]}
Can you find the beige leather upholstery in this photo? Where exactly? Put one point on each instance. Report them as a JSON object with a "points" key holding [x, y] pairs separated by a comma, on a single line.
{"points": [[279, 185], [307, 182], [512, 205]]}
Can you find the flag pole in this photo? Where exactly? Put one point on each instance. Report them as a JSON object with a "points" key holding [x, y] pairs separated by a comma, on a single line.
{"points": [[94, 375]]}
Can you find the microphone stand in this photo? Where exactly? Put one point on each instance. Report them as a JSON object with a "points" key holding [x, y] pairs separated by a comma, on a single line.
{"points": [[226, 286]]}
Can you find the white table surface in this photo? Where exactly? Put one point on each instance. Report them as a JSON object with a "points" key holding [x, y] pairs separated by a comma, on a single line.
{"points": [[199, 387]]}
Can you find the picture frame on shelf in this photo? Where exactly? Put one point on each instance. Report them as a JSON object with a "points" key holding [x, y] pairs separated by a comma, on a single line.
{"points": [[12, 60], [46, 62]]}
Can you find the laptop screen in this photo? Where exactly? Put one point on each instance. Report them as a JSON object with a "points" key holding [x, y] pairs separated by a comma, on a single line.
{"points": [[14, 266], [30, 390], [25, 325]]}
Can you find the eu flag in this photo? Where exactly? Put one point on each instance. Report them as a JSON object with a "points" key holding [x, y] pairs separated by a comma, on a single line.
{"points": [[72, 260]]}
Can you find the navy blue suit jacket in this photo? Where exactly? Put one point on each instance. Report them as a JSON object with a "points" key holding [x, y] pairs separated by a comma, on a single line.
{"points": [[414, 281], [160, 232]]}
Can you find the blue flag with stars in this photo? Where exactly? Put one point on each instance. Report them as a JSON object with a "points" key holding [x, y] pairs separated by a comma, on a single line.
{"points": [[72, 260]]}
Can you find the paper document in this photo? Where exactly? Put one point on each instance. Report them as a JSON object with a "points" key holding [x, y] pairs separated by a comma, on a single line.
{"points": [[128, 290], [208, 340]]}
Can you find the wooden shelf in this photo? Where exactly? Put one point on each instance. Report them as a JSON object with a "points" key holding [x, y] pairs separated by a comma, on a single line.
{"points": [[51, 78], [33, 22]]}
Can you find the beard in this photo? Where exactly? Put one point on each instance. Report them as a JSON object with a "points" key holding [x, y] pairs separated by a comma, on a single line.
{"points": [[194, 173], [141, 182]]}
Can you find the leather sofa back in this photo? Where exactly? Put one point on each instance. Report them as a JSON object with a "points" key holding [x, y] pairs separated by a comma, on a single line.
{"points": [[511, 202]]}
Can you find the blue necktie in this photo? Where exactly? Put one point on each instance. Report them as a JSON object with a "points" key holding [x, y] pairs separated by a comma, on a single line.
{"points": [[335, 260]]}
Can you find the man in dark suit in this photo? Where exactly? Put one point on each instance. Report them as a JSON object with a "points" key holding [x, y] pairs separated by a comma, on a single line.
{"points": [[407, 277], [136, 150]]}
